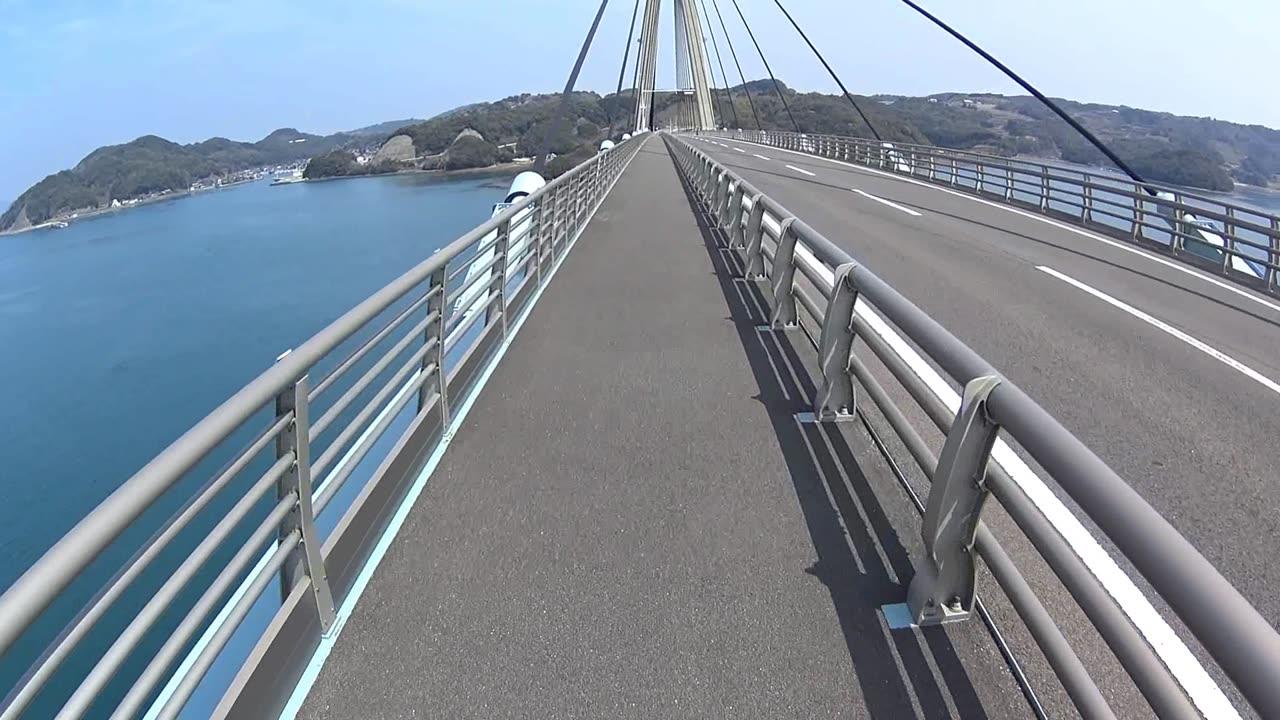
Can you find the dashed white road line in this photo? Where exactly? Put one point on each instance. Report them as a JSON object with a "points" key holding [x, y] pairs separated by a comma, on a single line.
{"points": [[799, 170], [890, 203], [1172, 264], [1203, 347], [739, 149], [760, 156]]}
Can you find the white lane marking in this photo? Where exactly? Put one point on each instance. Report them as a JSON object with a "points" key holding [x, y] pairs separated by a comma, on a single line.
{"points": [[890, 203], [1050, 221], [806, 172], [1190, 674], [760, 156], [1205, 348], [739, 149]]}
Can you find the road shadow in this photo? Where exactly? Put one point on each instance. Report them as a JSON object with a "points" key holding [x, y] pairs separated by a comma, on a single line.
{"points": [[860, 556]]}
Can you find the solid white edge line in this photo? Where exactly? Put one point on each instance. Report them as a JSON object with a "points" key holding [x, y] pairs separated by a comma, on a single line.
{"points": [[1048, 221], [890, 203], [760, 156], [327, 641], [799, 170], [1203, 347], [1185, 668]]}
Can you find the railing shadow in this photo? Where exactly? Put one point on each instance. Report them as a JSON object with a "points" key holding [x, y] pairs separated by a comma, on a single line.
{"points": [[860, 558]]}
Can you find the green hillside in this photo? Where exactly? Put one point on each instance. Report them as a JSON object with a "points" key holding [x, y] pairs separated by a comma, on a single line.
{"points": [[152, 164]]}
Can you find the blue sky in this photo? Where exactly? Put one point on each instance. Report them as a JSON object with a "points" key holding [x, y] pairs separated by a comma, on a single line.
{"points": [[80, 74]]}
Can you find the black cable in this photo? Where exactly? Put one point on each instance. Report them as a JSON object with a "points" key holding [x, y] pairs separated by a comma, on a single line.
{"points": [[558, 120], [767, 69], [715, 46], [745, 90], [622, 71], [1038, 95], [823, 60]]}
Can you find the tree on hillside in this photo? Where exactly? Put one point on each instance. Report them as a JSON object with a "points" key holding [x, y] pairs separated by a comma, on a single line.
{"points": [[471, 152], [334, 164]]}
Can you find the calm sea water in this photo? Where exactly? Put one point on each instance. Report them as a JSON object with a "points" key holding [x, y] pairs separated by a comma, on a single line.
{"points": [[118, 333], [1261, 198]]}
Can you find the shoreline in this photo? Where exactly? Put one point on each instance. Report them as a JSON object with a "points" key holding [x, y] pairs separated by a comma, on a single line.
{"points": [[179, 195], [500, 169], [99, 212]]}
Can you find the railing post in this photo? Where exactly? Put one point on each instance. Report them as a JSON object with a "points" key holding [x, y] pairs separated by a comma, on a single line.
{"points": [[1274, 255], [836, 399], [944, 585], [1139, 214], [557, 223], [540, 238], [306, 559], [717, 194], [1177, 243], [575, 188], [1086, 212], [1008, 183], [597, 180], [722, 208], [498, 283], [784, 271], [754, 269], [1228, 238], [1044, 187], [735, 217], [982, 177], [955, 171], [439, 285]]}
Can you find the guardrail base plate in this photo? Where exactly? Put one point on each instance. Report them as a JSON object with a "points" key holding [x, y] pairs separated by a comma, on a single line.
{"points": [[810, 417], [897, 616]]}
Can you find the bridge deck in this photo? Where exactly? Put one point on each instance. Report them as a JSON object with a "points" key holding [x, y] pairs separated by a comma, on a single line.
{"points": [[630, 521]]}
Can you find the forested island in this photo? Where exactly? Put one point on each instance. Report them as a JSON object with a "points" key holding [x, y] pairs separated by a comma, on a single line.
{"points": [[152, 166], [1190, 151]]}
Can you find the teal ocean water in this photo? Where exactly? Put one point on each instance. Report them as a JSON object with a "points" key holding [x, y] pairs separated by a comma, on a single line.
{"points": [[118, 333]]}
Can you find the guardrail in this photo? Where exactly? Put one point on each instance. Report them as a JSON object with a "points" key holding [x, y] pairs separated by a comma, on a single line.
{"points": [[819, 288], [423, 338], [1239, 242]]}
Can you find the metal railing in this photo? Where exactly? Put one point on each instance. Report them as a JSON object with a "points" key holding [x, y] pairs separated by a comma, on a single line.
{"points": [[423, 339], [816, 287], [1236, 241]]}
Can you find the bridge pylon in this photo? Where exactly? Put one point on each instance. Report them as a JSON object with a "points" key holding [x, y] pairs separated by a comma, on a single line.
{"points": [[693, 71]]}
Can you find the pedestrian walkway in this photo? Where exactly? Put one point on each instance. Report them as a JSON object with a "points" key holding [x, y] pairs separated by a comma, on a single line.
{"points": [[631, 523]]}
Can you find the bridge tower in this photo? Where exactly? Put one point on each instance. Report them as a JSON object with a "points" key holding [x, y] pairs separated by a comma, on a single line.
{"points": [[693, 72]]}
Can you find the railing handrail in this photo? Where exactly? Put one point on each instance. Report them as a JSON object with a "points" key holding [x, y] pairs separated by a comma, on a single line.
{"points": [[1238, 637], [23, 602], [1171, 222], [31, 593], [1087, 171]]}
